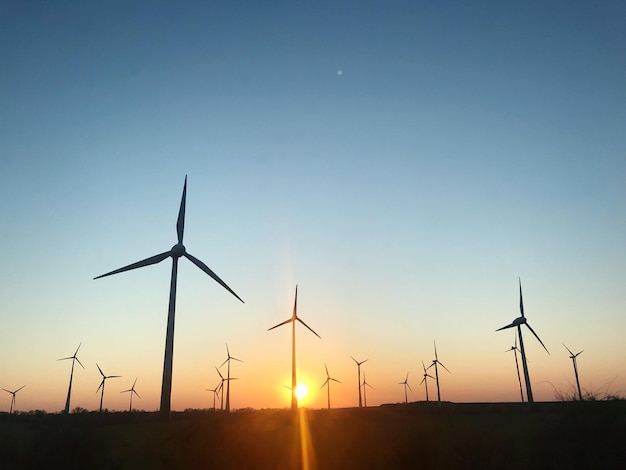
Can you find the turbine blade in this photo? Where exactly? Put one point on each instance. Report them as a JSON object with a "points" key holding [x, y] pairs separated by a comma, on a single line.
{"points": [[521, 301], [538, 339], [136, 393], [444, 366], [133, 387], [227, 359], [207, 270], [280, 324], [180, 223], [568, 350], [77, 360], [505, 327], [327, 374], [335, 380], [9, 391], [423, 367], [295, 304], [79, 345], [409, 386], [311, 329], [220, 374], [64, 358], [435, 349], [576, 355], [139, 264], [324, 384], [423, 380], [100, 386], [25, 385], [235, 359], [101, 373]]}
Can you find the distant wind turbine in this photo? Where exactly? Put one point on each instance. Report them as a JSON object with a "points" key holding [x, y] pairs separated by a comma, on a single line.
{"points": [[406, 384], [228, 359], [13, 397], [518, 322], [104, 377], [425, 379], [519, 379], [573, 358], [292, 320], [131, 390], [364, 384], [358, 369], [436, 362], [215, 392], [69, 390], [176, 252], [221, 388], [327, 384]]}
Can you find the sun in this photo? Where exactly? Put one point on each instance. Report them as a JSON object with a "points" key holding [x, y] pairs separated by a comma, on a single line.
{"points": [[301, 391]]}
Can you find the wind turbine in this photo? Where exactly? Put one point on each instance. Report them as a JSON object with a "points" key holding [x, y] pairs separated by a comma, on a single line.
{"points": [[215, 393], [364, 394], [69, 390], [406, 384], [518, 322], [13, 397], [358, 367], [425, 379], [573, 358], [292, 320], [436, 362], [176, 252], [221, 387], [515, 349], [104, 377], [327, 384], [131, 390], [228, 359]]}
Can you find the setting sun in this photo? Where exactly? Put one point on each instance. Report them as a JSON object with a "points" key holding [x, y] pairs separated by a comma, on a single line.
{"points": [[301, 391]]}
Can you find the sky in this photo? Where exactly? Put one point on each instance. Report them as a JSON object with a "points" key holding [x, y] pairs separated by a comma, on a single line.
{"points": [[403, 163]]}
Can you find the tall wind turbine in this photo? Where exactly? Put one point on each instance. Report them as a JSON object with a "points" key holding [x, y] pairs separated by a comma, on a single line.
{"points": [[228, 359], [519, 379], [221, 388], [176, 252], [364, 384], [104, 377], [573, 358], [425, 379], [436, 362], [215, 393], [358, 369], [327, 384], [69, 390], [518, 322], [292, 320], [406, 384], [131, 390], [13, 397]]}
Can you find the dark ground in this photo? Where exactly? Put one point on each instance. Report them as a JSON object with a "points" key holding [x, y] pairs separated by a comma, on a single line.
{"points": [[421, 435]]}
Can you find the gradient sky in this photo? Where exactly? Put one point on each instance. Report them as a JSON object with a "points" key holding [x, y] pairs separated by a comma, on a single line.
{"points": [[402, 162]]}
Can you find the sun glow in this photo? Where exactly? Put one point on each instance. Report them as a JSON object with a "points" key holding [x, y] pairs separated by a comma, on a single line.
{"points": [[301, 391]]}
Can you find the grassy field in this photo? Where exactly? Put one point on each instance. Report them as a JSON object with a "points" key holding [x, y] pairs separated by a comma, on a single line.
{"points": [[419, 435]]}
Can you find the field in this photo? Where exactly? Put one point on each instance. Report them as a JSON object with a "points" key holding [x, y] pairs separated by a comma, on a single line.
{"points": [[419, 435]]}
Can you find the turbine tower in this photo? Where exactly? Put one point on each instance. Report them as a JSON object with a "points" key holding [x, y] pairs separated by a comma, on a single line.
{"points": [[69, 390], [13, 397], [358, 369], [518, 322], [175, 253], [104, 377], [406, 384], [131, 390], [519, 379], [228, 359], [327, 384], [292, 320], [436, 362], [425, 379], [573, 358]]}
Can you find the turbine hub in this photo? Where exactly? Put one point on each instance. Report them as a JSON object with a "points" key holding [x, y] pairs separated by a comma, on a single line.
{"points": [[177, 250]]}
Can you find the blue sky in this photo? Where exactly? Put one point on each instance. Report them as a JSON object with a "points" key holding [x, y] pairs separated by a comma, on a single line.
{"points": [[403, 162]]}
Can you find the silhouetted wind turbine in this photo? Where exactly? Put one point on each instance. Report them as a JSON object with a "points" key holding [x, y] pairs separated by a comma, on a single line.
{"points": [[519, 379], [228, 359], [176, 252], [327, 384], [292, 320], [573, 358], [221, 387], [518, 322], [358, 368], [365, 394], [13, 397], [436, 362], [101, 386], [215, 393], [131, 390], [425, 379], [69, 390], [406, 384]]}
